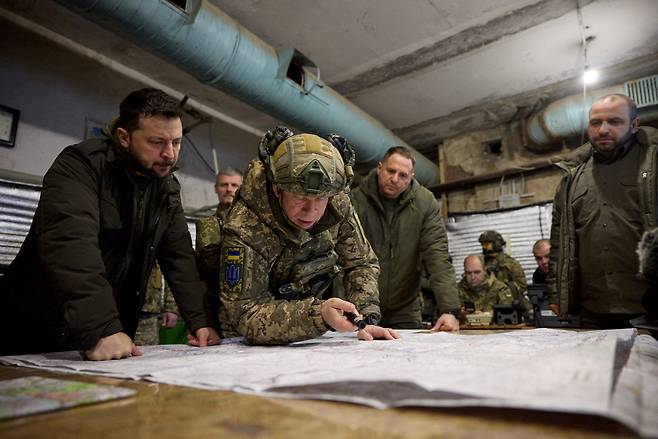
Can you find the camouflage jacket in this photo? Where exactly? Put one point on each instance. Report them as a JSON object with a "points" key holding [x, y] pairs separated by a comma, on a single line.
{"points": [[262, 254], [208, 237], [489, 293], [222, 212], [507, 270], [157, 300]]}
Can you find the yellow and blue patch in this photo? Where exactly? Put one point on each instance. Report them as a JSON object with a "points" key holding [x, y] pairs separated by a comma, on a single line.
{"points": [[233, 267]]}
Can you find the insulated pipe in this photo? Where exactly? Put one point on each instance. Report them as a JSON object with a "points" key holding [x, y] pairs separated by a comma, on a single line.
{"points": [[123, 70], [216, 50], [565, 117]]}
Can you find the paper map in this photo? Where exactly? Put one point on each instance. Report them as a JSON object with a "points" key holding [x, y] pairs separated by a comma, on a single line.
{"points": [[608, 373], [34, 394]]}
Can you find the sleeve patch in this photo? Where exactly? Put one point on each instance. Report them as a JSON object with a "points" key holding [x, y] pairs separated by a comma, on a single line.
{"points": [[233, 267]]}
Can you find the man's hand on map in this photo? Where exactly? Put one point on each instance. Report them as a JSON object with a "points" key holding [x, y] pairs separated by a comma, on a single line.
{"points": [[333, 313], [169, 319], [204, 337], [372, 332], [113, 347], [447, 322]]}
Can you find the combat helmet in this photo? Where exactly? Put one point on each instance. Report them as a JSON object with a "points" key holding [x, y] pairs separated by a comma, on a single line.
{"points": [[306, 163], [493, 237]]}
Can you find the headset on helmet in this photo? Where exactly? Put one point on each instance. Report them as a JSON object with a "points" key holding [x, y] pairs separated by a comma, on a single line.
{"points": [[317, 173]]}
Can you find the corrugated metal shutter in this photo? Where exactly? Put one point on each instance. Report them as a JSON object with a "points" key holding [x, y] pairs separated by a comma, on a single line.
{"points": [[18, 202], [520, 229]]}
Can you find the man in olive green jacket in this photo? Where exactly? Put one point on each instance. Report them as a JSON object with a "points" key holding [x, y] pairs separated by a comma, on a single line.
{"points": [[605, 201], [401, 220]]}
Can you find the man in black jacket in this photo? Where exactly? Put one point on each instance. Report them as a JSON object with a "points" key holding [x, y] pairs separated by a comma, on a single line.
{"points": [[108, 209]]}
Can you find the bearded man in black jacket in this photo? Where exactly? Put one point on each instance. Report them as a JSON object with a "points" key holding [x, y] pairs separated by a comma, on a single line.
{"points": [[108, 209]]}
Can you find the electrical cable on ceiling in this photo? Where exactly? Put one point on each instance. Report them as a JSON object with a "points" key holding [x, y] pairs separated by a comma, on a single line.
{"points": [[213, 150], [584, 42]]}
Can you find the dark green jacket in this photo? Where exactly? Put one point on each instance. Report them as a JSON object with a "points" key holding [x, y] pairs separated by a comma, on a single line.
{"points": [[79, 275], [416, 238], [564, 276]]}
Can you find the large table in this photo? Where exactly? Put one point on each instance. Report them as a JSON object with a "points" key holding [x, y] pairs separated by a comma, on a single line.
{"points": [[165, 411]]}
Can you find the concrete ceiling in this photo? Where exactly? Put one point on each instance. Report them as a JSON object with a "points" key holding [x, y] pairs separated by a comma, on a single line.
{"points": [[427, 69]]}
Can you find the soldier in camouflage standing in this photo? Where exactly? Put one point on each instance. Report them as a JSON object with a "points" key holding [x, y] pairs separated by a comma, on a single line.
{"points": [[228, 182], [504, 267], [291, 230], [159, 304], [208, 236], [481, 288]]}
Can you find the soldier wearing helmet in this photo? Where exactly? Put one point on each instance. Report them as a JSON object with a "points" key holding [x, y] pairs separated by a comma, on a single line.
{"points": [[503, 266], [290, 231]]}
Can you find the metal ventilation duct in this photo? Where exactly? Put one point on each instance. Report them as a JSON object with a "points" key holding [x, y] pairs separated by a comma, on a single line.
{"points": [[569, 116], [565, 117], [200, 39]]}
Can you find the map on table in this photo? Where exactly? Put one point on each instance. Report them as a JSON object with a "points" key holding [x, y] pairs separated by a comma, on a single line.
{"points": [[34, 394], [608, 373]]}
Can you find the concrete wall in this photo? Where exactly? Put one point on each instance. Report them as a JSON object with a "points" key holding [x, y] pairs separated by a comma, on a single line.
{"points": [[60, 94], [469, 155]]}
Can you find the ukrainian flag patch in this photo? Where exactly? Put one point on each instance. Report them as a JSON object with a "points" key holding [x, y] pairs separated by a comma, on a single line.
{"points": [[233, 267]]}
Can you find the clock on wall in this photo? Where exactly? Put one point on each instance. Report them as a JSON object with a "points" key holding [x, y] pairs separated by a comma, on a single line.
{"points": [[8, 125]]}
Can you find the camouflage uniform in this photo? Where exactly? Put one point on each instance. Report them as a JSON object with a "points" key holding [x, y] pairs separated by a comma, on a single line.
{"points": [[264, 257], [489, 293], [222, 211], [148, 329], [509, 271], [208, 238]]}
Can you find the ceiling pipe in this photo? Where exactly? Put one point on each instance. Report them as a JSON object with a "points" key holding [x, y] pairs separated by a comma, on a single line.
{"points": [[123, 70], [564, 118], [201, 40]]}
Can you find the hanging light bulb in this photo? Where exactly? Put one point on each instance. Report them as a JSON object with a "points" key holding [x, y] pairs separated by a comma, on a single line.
{"points": [[590, 76]]}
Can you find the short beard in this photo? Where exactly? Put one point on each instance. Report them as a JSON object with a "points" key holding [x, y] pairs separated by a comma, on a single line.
{"points": [[619, 146]]}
